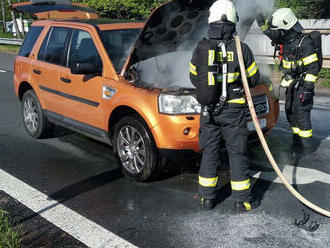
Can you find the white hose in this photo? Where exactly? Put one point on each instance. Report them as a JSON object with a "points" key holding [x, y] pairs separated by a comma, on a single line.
{"points": [[262, 137]]}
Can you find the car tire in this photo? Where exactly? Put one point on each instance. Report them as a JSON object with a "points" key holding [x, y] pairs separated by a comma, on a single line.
{"points": [[34, 119], [135, 149]]}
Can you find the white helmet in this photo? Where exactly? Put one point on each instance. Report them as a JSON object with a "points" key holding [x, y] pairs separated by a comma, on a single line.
{"points": [[223, 10], [283, 19]]}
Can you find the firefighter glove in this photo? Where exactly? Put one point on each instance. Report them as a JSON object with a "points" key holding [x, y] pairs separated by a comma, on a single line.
{"points": [[287, 80]]}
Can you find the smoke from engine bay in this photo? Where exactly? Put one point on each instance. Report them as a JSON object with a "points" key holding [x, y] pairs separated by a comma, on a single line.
{"points": [[171, 69]]}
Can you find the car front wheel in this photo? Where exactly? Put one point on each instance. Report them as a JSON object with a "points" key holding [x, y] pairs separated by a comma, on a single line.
{"points": [[135, 149]]}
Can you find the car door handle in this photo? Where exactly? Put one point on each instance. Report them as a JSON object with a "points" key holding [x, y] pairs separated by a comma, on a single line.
{"points": [[36, 71], [66, 80]]}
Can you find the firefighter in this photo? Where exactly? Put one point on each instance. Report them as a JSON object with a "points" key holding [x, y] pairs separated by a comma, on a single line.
{"points": [[215, 72], [300, 64]]}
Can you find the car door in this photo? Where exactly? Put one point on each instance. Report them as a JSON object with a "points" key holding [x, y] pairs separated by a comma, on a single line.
{"points": [[50, 59], [82, 93]]}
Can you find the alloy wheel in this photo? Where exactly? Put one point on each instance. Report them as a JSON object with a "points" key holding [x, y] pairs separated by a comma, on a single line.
{"points": [[31, 116], [131, 149]]}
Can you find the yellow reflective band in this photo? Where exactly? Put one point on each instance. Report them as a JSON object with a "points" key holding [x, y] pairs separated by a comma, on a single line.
{"points": [[193, 69], [211, 57], [240, 186], [232, 77], [211, 80], [230, 56], [310, 59], [247, 205], [238, 100], [310, 78], [252, 70], [286, 64], [306, 134], [289, 64], [295, 130], [208, 182]]}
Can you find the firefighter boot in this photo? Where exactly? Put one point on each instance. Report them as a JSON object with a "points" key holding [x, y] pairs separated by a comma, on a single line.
{"points": [[206, 204], [308, 145], [247, 206], [297, 148]]}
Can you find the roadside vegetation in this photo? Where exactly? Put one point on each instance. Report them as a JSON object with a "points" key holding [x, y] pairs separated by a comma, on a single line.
{"points": [[324, 80], [9, 235]]}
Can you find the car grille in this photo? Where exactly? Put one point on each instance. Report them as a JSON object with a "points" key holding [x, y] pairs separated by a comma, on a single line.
{"points": [[261, 106]]}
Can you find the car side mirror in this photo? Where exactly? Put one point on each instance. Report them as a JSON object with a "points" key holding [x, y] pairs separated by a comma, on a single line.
{"points": [[83, 68]]}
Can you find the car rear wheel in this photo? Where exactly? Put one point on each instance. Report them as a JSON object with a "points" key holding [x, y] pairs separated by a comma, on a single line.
{"points": [[135, 149], [34, 120]]}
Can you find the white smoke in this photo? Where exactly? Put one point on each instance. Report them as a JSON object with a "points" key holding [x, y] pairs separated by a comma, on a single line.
{"points": [[172, 69]]}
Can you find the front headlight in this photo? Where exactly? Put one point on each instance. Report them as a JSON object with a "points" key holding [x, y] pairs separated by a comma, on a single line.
{"points": [[178, 104]]}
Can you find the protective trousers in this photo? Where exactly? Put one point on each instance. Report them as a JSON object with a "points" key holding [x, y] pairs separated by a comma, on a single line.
{"points": [[299, 116], [232, 125]]}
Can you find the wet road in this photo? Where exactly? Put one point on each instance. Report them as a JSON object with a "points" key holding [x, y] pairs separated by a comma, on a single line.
{"points": [[82, 175]]}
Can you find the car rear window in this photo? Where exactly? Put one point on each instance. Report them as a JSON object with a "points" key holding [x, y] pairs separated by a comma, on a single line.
{"points": [[30, 40], [118, 44]]}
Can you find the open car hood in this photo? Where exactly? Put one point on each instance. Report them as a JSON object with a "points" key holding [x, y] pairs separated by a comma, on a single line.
{"points": [[176, 26], [56, 9]]}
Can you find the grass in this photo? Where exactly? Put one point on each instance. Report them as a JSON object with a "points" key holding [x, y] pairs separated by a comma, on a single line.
{"points": [[324, 78], [9, 48], [9, 237], [6, 35]]}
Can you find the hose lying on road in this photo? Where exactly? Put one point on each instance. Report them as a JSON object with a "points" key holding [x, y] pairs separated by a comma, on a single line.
{"points": [[262, 137]]}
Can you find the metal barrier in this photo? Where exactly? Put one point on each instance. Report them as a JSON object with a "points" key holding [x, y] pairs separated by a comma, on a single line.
{"points": [[8, 41]]}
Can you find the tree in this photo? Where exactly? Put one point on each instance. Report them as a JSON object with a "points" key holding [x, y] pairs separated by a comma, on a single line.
{"points": [[124, 9], [3, 16], [15, 22], [307, 9]]}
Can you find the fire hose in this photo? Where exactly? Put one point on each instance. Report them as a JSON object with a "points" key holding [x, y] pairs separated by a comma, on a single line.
{"points": [[262, 137]]}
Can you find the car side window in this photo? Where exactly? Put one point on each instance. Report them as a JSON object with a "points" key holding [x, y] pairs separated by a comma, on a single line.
{"points": [[53, 47], [83, 50], [30, 40]]}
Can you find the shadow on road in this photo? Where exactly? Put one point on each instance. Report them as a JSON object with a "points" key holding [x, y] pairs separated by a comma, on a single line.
{"points": [[78, 188]]}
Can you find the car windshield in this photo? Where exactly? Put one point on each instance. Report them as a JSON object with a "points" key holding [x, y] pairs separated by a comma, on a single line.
{"points": [[118, 44]]}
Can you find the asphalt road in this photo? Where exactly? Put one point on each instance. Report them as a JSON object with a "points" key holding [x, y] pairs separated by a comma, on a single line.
{"points": [[82, 175]]}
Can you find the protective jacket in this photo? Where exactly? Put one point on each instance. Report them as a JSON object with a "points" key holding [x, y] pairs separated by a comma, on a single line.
{"points": [[206, 74], [229, 125], [300, 63], [300, 60]]}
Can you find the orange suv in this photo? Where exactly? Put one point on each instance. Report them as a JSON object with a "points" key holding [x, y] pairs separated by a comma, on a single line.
{"points": [[126, 84]]}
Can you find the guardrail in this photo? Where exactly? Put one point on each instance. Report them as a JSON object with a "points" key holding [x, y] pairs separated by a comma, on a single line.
{"points": [[8, 41]]}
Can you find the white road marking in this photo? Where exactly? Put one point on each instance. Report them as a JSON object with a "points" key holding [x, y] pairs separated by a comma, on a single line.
{"points": [[297, 175], [2, 71], [84, 230]]}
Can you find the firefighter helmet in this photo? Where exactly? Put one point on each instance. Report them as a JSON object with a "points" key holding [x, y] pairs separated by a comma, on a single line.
{"points": [[223, 10], [283, 19]]}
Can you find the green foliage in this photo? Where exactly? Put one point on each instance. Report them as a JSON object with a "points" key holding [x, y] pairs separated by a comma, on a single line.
{"points": [[6, 35], [307, 9], [325, 77], [9, 238], [124, 9]]}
